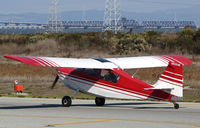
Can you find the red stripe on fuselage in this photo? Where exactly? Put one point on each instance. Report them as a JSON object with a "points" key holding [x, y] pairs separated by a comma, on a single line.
{"points": [[159, 96], [93, 84]]}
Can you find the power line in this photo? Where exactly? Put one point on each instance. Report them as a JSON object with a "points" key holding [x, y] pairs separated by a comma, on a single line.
{"points": [[168, 3]]}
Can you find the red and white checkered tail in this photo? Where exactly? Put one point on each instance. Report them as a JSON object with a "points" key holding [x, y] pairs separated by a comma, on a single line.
{"points": [[172, 79]]}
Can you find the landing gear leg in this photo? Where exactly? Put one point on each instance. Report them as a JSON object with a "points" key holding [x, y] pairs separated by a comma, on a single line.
{"points": [[176, 105], [67, 101], [75, 93], [99, 101]]}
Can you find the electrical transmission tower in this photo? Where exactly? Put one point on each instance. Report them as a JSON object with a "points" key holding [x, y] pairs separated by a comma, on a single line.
{"points": [[112, 16], [54, 20], [84, 15]]}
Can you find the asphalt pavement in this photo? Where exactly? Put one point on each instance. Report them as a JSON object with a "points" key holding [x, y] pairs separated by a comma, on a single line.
{"points": [[44, 113]]}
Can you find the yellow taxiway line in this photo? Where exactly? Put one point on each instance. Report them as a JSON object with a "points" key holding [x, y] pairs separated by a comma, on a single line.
{"points": [[141, 121], [82, 122]]}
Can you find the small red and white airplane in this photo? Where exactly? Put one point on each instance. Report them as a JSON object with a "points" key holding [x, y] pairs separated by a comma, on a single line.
{"points": [[106, 78]]}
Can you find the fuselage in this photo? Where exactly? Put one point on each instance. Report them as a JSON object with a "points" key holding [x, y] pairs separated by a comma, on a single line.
{"points": [[109, 84]]}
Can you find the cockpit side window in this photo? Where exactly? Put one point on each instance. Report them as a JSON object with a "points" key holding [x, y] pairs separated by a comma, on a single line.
{"points": [[79, 70], [91, 72], [109, 76]]}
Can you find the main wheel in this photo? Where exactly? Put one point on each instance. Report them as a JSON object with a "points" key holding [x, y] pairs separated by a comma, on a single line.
{"points": [[66, 101], [176, 106], [99, 101]]}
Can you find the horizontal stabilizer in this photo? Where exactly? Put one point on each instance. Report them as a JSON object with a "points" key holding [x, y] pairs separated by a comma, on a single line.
{"points": [[146, 89]]}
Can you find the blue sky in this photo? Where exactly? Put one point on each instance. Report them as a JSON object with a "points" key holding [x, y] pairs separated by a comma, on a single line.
{"points": [[41, 6]]}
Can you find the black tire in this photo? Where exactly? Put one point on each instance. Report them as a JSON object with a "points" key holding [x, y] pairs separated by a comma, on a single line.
{"points": [[176, 106], [66, 101], [99, 101]]}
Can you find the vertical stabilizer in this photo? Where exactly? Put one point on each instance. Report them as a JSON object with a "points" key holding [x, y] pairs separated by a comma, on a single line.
{"points": [[172, 78]]}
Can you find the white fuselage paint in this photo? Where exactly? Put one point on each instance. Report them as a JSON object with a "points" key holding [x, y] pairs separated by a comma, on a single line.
{"points": [[98, 89]]}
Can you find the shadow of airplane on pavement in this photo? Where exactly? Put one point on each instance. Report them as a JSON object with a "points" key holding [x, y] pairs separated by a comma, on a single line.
{"points": [[121, 105]]}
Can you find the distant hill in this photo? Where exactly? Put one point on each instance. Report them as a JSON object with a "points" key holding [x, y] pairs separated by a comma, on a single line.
{"points": [[181, 14]]}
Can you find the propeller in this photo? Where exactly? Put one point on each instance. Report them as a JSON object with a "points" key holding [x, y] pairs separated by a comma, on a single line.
{"points": [[55, 81]]}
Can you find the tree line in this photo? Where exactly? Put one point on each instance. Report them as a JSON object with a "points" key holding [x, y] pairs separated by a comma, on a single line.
{"points": [[186, 41]]}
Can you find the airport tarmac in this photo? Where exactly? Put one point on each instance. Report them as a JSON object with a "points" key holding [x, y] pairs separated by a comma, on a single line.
{"points": [[44, 113]]}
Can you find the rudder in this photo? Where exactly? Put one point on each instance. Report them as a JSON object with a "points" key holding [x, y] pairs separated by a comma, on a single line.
{"points": [[172, 78]]}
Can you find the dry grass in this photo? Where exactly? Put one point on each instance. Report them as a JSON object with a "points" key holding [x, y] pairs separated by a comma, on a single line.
{"points": [[47, 47], [10, 48], [23, 72]]}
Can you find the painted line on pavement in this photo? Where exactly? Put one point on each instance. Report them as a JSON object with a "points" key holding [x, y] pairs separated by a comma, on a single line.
{"points": [[82, 122]]}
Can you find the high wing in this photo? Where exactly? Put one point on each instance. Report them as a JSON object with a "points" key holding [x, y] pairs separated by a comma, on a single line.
{"points": [[63, 62], [106, 63], [149, 61]]}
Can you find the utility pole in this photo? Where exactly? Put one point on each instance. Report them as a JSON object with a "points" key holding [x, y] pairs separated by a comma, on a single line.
{"points": [[112, 16]]}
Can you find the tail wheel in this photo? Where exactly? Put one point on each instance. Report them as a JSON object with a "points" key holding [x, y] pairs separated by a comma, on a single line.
{"points": [[99, 101], [66, 101], [176, 106]]}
